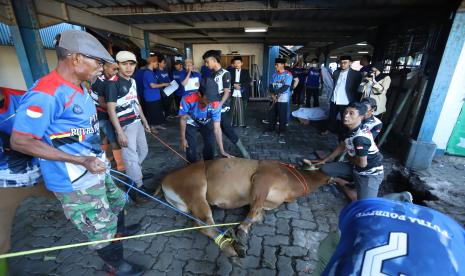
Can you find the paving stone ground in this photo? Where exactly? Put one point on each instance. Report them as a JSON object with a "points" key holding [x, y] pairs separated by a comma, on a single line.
{"points": [[284, 244]]}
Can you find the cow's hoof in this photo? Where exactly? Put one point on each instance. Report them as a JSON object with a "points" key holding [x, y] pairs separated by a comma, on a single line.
{"points": [[241, 250], [237, 261], [241, 236]]}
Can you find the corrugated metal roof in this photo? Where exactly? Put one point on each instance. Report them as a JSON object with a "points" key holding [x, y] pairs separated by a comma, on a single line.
{"points": [[46, 34]]}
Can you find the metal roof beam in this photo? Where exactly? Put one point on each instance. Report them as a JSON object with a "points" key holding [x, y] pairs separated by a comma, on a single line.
{"points": [[64, 12], [254, 6], [162, 4], [253, 23]]}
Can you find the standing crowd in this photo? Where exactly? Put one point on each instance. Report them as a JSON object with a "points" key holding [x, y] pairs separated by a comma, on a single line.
{"points": [[93, 111]]}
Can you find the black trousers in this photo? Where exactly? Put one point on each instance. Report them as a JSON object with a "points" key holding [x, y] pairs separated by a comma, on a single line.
{"points": [[312, 93], [208, 141], [168, 105], [299, 95], [335, 125], [154, 113], [278, 111], [227, 128]]}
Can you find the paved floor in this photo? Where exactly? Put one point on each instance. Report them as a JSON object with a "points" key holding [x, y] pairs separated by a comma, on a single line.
{"points": [[445, 179], [284, 244]]}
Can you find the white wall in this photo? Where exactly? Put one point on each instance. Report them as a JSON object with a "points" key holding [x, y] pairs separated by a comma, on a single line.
{"points": [[253, 49], [452, 105], [11, 75]]}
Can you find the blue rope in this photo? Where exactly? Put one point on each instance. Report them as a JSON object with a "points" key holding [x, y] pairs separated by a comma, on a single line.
{"points": [[158, 200]]}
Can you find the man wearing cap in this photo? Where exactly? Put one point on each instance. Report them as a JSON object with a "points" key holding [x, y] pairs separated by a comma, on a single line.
{"points": [[280, 86], [57, 122], [220, 81], [346, 83], [241, 91], [128, 118]]}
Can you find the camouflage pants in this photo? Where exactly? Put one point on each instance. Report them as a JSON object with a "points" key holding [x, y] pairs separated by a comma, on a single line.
{"points": [[94, 211]]}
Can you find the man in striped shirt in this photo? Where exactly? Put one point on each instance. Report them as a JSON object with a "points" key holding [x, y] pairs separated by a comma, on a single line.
{"points": [[127, 117], [365, 166]]}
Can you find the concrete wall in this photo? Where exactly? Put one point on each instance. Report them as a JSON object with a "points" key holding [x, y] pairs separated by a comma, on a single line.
{"points": [[254, 49], [11, 75], [452, 104]]}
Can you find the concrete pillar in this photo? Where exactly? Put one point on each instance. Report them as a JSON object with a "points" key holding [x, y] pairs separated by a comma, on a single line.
{"points": [[27, 41], [446, 98], [269, 55], [145, 52]]}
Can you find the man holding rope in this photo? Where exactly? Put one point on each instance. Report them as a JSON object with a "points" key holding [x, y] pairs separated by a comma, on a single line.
{"points": [[57, 122]]}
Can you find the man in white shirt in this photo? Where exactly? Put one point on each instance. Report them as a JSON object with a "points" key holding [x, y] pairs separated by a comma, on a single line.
{"points": [[346, 82]]}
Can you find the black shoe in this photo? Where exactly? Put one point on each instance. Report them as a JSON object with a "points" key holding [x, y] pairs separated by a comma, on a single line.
{"points": [[147, 176], [112, 255], [125, 269], [130, 230]]}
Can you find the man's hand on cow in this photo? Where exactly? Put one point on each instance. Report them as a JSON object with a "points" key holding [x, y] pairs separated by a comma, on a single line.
{"points": [[227, 155], [184, 144], [314, 162], [93, 164]]}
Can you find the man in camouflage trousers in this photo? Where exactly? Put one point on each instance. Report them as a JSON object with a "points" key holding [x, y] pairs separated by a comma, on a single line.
{"points": [[57, 122], [101, 205]]}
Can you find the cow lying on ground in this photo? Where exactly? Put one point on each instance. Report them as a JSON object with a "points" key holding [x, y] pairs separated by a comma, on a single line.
{"points": [[233, 183]]}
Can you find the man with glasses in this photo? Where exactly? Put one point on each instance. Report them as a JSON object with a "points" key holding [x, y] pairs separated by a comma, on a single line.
{"points": [[57, 122], [346, 82]]}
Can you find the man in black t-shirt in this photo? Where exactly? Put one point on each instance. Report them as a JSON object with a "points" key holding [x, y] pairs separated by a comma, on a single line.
{"points": [[127, 117], [220, 80], [107, 132], [365, 166]]}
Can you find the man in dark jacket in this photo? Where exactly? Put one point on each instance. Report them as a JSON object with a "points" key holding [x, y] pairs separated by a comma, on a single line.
{"points": [[346, 82]]}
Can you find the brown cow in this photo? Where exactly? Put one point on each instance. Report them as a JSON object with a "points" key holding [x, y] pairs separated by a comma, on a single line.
{"points": [[233, 183]]}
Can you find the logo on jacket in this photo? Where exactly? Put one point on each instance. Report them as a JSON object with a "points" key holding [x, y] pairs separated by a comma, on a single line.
{"points": [[77, 109], [34, 111]]}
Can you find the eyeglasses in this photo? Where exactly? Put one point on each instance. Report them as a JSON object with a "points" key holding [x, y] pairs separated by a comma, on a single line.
{"points": [[100, 61]]}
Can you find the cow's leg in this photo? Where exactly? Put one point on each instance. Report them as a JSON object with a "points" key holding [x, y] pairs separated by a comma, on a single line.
{"points": [[201, 210], [258, 195]]}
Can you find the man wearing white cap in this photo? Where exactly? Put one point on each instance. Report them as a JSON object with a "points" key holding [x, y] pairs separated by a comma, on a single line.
{"points": [[57, 122], [127, 117]]}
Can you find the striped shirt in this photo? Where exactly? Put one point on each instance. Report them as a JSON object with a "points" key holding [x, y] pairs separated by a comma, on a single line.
{"points": [[123, 92], [359, 142]]}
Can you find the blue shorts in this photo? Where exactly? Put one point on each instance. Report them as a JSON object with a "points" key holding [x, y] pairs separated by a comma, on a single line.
{"points": [[106, 128]]}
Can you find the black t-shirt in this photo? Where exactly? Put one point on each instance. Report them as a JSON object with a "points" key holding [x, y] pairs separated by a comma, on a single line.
{"points": [[123, 92], [98, 90], [218, 81], [359, 142]]}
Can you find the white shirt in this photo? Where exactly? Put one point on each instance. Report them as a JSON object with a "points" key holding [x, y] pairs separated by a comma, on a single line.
{"points": [[237, 92], [238, 75], [340, 93]]}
